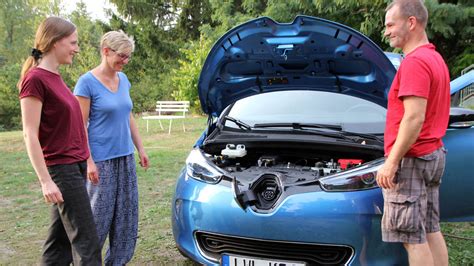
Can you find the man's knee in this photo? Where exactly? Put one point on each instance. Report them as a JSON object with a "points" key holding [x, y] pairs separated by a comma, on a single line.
{"points": [[434, 236], [419, 254]]}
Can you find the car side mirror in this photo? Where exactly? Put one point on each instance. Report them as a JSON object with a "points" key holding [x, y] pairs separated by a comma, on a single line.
{"points": [[461, 118]]}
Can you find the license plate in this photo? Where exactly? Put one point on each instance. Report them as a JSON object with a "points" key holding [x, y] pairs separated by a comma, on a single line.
{"points": [[233, 260]]}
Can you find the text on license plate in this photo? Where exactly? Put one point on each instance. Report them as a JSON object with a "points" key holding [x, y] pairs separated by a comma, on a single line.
{"points": [[233, 260]]}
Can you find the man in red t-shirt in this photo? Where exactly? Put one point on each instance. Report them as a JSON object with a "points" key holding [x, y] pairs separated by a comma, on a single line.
{"points": [[417, 118]]}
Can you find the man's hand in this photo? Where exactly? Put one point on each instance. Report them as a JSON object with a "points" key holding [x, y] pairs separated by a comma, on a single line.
{"points": [[386, 175], [51, 192]]}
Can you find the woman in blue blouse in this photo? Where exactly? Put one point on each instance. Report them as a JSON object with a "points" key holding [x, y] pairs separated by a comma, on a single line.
{"points": [[104, 97]]}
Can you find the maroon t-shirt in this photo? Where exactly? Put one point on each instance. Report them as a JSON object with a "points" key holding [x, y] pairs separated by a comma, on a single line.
{"points": [[61, 131], [423, 73]]}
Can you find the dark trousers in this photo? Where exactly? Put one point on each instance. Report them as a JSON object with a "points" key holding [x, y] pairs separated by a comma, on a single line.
{"points": [[72, 236]]}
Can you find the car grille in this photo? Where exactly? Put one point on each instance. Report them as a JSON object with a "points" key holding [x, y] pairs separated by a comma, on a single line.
{"points": [[214, 245]]}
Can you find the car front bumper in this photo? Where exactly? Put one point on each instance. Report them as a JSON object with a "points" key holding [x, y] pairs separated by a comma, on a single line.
{"points": [[348, 219]]}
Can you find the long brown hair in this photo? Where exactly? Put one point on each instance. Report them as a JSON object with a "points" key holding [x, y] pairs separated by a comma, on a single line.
{"points": [[49, 32]]}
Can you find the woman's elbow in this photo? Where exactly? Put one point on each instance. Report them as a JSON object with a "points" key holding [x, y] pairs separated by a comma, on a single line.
{"points": [[28, 135]]}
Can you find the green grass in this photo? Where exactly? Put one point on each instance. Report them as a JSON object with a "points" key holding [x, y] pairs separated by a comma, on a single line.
{"points": [[24, 215]]}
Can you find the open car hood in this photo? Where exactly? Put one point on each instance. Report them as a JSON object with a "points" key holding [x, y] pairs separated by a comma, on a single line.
{"points": [[310, 53]]}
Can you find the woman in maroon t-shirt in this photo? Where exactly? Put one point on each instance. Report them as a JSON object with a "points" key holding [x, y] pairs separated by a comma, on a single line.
{"points": [[57, 145]]}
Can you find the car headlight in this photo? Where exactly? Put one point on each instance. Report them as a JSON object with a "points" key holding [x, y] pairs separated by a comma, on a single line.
{"points": [[199, 167], [360, 178]]}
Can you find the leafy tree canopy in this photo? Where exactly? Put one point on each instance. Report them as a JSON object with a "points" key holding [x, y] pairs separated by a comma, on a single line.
{"points": [[173, 38]]}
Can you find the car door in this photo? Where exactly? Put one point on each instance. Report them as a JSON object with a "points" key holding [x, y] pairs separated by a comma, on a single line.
{"points": [[457, 188]]}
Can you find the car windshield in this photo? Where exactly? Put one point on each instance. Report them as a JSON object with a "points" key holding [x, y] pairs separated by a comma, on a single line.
{"points": [[309, 107]]}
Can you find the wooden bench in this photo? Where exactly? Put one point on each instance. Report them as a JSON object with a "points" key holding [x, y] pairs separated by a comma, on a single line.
{"points": [[168, 110]]}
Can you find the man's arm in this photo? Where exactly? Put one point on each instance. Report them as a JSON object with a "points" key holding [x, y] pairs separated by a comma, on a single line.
{"points": [[410, 127]]}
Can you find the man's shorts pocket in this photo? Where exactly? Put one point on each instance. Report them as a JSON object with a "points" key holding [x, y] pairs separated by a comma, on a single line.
{"points": [[403, 213]]}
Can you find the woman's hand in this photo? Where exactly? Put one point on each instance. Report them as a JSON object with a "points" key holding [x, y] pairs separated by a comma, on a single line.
{"points": [[92, 172], [144, 161], [51, 192]]}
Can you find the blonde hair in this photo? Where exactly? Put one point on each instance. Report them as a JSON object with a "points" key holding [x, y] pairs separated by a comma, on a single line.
{"points": [[408, 8], [49, 32], [117, 41]]}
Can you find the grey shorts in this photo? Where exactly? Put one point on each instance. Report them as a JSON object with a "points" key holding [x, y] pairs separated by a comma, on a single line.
{"points": [[411, 208]]}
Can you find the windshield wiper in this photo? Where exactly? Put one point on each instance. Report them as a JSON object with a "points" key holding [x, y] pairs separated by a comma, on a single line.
{"points": [[299, 125], [319, 132], [310, 128], [304, 126], [363, 135], [239, 123]]}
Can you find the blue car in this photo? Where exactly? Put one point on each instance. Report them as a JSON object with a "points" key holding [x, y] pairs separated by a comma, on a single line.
{"points": [[284, 174]]}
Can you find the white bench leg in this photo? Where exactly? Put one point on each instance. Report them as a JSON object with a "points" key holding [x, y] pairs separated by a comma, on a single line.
{"points": [[161, 125], [184, 129], [169, 130], [147, 125]]}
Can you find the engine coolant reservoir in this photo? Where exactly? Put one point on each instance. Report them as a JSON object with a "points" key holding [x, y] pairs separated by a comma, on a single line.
{"points": [[234, 151]]}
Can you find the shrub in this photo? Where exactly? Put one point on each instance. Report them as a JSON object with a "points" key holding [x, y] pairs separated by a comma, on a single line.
{"points": [[10, 114]]}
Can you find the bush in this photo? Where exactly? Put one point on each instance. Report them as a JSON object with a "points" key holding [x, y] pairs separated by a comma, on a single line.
{"points": [[10, 114], [185, 78]]}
